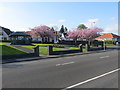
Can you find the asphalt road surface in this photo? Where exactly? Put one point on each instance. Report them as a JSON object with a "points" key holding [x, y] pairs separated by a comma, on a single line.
{"points": [[97, 70]]}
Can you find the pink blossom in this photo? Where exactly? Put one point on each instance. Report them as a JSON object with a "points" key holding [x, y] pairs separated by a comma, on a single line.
{"points": [[84, 33], [42, 31]]}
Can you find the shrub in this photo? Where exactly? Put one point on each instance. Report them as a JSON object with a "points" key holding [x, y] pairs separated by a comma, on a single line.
{"points": [[58, 46], [109, 42]]}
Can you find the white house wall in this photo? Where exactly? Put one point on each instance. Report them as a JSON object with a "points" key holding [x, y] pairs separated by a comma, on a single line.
{"points": [[40, 39], [3, 35], [0, 33]]}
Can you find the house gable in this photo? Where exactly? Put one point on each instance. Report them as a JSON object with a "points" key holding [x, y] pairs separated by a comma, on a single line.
{"points": [[4, 33], [109, 36]]}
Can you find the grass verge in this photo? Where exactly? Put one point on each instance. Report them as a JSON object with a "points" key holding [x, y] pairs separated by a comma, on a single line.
{"points": [[9, 50]]}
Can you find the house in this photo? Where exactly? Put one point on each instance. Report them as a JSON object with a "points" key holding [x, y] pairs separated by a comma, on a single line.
{"points": [[45, 39], [109, 36], [4, 33]]}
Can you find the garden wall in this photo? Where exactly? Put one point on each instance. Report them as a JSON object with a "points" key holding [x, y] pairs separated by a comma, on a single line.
{"points": [[73, 42], [65, 52], [5, 41], [18, 56], [94, 42], [14, 56]]}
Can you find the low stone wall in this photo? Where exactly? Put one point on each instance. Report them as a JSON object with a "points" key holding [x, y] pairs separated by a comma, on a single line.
{"points": [[72, 42], [88, 48], [51, 52], [25, 55], [65, 52], [18, 56], [95, 49]]}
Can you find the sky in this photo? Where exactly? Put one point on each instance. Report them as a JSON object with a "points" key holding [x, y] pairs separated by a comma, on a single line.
{"points": [[21, 16]]}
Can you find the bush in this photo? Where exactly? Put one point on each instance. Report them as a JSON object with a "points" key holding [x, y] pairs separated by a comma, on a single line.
{"points": [[58, 46], [110, 42]]}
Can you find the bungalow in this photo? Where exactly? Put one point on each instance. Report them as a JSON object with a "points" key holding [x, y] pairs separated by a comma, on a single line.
{"points": [[109, 36], [4, 33], [45, 39]]}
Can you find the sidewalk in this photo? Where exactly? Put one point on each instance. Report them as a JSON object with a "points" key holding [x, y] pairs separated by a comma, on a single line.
{"points": [[49, 57]]}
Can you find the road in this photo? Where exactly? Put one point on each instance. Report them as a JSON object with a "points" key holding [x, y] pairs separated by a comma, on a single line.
{"points": [[96, 70]]}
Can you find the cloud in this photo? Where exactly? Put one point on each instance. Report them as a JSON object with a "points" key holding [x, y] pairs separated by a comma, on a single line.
{"points": [[52, 25], [21, 29], [55, 26], [111, 29], [91, 22], [112, 18], [61, 20], [5, 9]]}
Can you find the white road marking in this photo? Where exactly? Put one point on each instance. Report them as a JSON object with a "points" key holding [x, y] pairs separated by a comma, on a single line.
{"points": [[86, 81], [105, 57], [58, 64], [65, 63]]}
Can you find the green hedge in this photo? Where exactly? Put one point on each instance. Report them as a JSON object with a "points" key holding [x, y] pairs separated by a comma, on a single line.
{"points": [[109, 42]]}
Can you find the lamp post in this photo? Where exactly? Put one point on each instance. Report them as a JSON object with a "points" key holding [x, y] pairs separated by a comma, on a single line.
{"points": [[104, 46], [93, 24]]}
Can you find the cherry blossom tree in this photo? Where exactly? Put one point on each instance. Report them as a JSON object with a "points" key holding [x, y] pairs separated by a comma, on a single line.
{"points": [[42, 31], [87, 34]]}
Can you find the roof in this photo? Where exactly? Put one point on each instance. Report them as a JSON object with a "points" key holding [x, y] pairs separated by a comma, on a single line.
{"points": [[6, 30], [19, 34], [28, 32], [108, 35]]}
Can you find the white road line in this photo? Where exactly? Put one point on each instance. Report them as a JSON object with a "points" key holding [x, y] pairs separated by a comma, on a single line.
{"points": [[72, 86], [105, 57], [65, 63], [68, 63], [58, 64]]}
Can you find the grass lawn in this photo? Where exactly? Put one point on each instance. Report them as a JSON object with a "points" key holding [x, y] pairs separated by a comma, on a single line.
{"points": [[54, 44], [109, 44], [59, 49], [9, 50], [44, 50], [3, 43], [42, 44]]}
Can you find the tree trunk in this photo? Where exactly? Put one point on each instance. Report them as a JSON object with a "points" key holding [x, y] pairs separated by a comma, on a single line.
{"points": [[75, 40], [89, 42], [42, 39]]}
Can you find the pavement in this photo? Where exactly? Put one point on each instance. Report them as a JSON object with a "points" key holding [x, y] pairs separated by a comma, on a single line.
{"points": [[96, 70]]}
